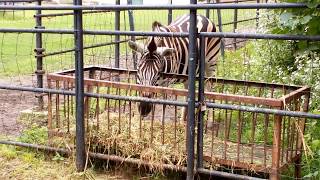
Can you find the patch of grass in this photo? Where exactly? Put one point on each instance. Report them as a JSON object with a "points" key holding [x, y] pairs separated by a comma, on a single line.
{"points": [[22, 163], [7, 152], [34, 135], [16, 50]]}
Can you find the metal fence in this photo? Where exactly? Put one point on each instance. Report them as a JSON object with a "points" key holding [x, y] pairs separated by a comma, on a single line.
{"points": [[86, 99]]}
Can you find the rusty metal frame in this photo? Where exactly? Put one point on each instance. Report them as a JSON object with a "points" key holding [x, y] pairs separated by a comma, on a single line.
{"points": [[277, 103]]}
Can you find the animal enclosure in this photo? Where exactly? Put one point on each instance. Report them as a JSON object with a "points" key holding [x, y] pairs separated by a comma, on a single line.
{"points": [[232, 138], [245, 123]]}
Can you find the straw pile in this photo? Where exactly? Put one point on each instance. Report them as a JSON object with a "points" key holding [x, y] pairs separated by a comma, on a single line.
{"points": [[161, 142], [154, 142]]}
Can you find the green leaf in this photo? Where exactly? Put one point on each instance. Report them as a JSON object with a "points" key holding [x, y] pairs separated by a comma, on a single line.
{"points": [[313, 47], [302, 45], [315, 144], [285, 17], [305, 19], [312, 4]]}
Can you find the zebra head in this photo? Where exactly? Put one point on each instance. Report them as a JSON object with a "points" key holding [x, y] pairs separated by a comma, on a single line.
{"points": [[149, 68]]}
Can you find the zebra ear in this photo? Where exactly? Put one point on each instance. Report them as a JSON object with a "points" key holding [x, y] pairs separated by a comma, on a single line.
{"points": [[136, 46], [165, 51], [155, 25]]}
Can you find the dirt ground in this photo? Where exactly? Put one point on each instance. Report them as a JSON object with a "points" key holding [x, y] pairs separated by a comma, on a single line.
{"points": [[12, 103]]}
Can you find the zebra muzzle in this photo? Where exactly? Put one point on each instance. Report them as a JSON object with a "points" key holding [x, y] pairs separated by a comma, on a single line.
{"points": [[145, 107]]}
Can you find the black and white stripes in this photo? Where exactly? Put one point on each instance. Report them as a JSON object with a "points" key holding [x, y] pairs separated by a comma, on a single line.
{"points": [[170, 54]]}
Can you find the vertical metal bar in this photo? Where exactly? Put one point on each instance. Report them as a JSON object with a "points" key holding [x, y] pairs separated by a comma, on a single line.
{"points": [[220, 30], [289, 142], [140, 126], [152, 122], [257, 15], [131, 24], [39, 58], [117, 38], [235, 25], [68, 111], [64, 104], [162, 121], [72, 98], [201, 100], [226, 138], [170, 13], [191, 88], [175, 124], [108, 110], [80, 128], [208, 10], [49, 109], [239, 133], [98, 110], [119, 114], [266, 124], [213, 129], [130, 114], [276, 147], [253, 132], [57, 106], [297, 166]]}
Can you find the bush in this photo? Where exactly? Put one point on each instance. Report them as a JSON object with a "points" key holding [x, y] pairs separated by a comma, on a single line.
{"points": [[295, 62]]}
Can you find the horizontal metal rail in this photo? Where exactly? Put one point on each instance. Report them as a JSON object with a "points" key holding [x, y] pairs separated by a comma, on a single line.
{"points": [[107, 96], [68, 13], [49, 31], [239, 21], [185, 77], [152, 7], [19, 1], [260, 36], [264, 110], [87, 47], [228, 1], [166, 34], [168, 102], [225, 174], [129, 160]]}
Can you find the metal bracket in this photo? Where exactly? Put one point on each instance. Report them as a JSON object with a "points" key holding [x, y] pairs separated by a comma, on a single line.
{"points": [[203, 106], [39, 50], [39, 27], [40, 72]]}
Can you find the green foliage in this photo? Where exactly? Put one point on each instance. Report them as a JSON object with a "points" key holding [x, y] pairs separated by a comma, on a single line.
{"points": [[311, 162], [34, 135], [7, 152], [295, 62], [292, 62], [298, 21], [58, 157]]}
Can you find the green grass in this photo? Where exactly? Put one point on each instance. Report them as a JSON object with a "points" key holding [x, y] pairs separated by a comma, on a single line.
{"points": [[16, 50], [25, 163]]}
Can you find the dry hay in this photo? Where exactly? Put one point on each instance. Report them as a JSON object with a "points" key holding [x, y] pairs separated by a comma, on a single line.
{"points": [[153, 142], [160, 142], [163, 142]]}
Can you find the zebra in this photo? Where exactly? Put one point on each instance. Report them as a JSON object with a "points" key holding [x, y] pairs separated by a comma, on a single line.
{"points": [[170, 55]]}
